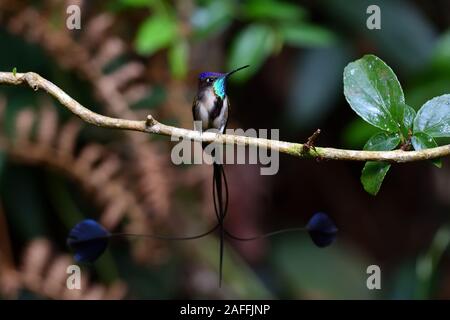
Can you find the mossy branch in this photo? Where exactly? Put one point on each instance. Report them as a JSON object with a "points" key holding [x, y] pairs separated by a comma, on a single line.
{"points": [[151, 125]]}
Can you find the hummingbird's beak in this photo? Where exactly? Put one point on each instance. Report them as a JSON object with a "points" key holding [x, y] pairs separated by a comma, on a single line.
{"points": [[235, 70]]}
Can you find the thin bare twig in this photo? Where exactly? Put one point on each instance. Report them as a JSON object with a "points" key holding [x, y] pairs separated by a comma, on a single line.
{"points": [[151, 125]]}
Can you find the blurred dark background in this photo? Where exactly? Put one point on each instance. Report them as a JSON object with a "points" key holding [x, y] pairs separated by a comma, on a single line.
{"points": [[135, 57]]}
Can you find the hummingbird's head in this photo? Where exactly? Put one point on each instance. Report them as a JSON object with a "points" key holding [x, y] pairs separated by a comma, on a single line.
{"points": [[216, 80]]}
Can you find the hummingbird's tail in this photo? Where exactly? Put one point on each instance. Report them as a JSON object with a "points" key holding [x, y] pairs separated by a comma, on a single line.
{"points": [[220, 208]]}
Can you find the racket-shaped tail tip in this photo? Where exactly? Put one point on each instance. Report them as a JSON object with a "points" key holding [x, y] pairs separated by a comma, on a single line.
{"points": [[88, 240], [321, 229]]}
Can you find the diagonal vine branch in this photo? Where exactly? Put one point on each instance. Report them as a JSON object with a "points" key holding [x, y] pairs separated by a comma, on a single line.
{"points": [[151, 125]]}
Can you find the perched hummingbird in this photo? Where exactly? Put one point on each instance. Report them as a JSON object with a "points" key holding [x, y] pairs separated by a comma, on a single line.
{"points": [[88, 239], [211, 103], [211, 107]]}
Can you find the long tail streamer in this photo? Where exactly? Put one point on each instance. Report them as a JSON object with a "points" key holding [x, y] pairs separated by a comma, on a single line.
{"points": [[220, 208], [88, 239]]}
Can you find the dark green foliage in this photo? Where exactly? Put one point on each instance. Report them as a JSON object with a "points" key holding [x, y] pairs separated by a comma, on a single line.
{"points": [[375, 94]]}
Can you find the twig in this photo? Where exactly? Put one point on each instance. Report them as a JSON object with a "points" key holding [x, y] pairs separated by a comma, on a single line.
{"points": [[311, 142], [151, 125]]}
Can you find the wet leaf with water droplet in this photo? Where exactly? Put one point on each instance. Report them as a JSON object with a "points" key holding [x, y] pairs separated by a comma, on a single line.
{"points": [[433, 117], [374, 93], [421, 140], [383, 141], [373, 173], [408, 119]]}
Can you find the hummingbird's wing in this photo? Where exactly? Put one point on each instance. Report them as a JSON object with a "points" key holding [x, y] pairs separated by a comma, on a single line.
{"points": [[227, 110], [200, 113], [196, 110]]}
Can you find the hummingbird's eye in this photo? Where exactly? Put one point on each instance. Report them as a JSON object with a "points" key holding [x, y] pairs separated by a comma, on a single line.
{"points": [[208, 80]]}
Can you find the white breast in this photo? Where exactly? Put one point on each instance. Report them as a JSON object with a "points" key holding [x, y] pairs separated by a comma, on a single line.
{"points": [[206, 106], [208, 99]]}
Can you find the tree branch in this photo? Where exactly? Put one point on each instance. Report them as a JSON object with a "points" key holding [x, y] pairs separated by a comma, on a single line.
{"points": [[151, 125]]}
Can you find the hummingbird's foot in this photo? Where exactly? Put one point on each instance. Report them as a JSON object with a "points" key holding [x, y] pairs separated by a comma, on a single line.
{"points": [[310, 143]]}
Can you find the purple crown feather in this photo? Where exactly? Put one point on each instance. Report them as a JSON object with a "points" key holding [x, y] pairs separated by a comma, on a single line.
{"points": [[205, 75]]}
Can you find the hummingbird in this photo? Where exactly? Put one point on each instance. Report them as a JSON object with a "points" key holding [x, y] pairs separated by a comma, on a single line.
{"points": [[211, 107], [88, 239], [211, 104]]}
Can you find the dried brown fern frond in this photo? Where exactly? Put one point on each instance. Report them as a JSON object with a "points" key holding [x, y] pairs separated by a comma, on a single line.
{"points": [[97, 170], [45, 273], [147, 163], [97, 48]]}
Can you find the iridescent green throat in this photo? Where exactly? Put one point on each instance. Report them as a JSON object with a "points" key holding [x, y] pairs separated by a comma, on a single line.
{"points": [[219, 87]]}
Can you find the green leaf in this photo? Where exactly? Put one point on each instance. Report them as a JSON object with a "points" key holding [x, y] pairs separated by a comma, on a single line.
{"points": [[434, 117], [374, 93], [155, 33], [275, 10], [408, 118], [14, 71], [251, 46], [178, 58], [212, 18], [373, 173], [421, 140], [405, 117], [382, 142], [306, 35]]}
